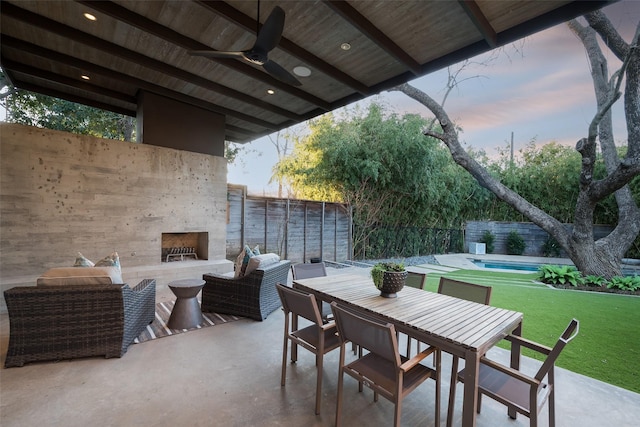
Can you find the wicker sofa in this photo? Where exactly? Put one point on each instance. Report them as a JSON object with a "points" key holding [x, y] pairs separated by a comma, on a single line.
{"points": [[67, 322], [254, 295]]}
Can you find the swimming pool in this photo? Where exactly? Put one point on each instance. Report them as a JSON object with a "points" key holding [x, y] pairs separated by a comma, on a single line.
{"points": [[531, 266], [506, 265]]}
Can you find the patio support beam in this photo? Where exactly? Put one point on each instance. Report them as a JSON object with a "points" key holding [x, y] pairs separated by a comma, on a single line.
{"points": [[78, 99], [481, 22], [67, 81]]}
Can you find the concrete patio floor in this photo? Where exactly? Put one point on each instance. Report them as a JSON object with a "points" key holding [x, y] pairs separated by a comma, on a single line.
{"points": [[229, 375]]}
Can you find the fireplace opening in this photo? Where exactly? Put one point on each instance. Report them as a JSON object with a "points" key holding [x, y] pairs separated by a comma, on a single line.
{"points": [[185, 246]]}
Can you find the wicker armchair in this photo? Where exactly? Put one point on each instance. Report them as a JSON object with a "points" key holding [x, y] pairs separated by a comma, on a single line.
{"points": [[254, 295], [68, 322]]}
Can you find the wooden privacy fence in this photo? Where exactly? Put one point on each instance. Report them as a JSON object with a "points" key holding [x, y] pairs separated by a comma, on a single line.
{"points": [[534, 237], [298, 230]]}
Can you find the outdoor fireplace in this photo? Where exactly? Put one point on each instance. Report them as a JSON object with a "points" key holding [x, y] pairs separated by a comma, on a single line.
{"points": [[184, 246]]}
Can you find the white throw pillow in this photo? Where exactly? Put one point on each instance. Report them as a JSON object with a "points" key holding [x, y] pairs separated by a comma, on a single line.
{"points": [[80, 276], [81, 261], [112, 260], [261, 261]]}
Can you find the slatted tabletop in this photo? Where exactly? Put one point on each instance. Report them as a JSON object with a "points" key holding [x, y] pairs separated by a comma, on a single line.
{"points": [[463, 328]]}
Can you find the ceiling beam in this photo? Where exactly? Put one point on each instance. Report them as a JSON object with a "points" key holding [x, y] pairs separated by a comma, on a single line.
{"points": [[355, 18], [147, 25], [480, 21], [249, 24], [83, 85], [26, 47], [73, 98]]}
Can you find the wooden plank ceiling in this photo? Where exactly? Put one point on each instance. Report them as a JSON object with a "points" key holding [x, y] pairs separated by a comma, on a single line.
{"points": [[46, 46]]}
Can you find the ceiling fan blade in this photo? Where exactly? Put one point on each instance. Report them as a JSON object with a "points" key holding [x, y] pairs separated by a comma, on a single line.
{"points": [[270, 33], [216, 54], [280, 73]]}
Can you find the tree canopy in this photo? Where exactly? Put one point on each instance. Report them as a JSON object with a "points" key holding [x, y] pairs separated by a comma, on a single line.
{"points": [[381, 164]]}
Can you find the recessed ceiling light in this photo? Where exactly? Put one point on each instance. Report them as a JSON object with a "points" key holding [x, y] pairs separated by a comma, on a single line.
{"points": [[89, 16], [345, 46], [271, 91], [85, 77], [302, 71]]}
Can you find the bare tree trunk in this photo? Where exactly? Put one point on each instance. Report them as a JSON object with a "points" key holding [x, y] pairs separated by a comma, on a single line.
{"points": [[602, 257], [127, 124]]}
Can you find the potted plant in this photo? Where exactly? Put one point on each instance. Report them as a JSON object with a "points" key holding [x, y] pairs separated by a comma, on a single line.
{"points": [[389, 278]]}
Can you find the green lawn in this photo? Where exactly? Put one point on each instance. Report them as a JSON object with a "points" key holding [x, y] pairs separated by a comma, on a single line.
{"points": [[608, 345]]}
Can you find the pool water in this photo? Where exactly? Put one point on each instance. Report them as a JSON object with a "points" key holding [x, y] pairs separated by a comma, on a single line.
{"points": [[503, 265], [530, 266]]}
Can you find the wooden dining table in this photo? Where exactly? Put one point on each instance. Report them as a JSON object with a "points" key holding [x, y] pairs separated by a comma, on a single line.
{"points": [[459, 327]]}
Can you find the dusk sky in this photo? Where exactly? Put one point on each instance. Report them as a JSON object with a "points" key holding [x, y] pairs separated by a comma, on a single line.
{"points": [[543, 92]]}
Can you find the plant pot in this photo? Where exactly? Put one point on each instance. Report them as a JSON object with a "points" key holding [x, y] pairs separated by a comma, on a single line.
{"points": [[392, 283]]}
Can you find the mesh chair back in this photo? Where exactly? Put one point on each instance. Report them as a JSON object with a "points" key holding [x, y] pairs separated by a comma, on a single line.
{"points": [[307, 271], [416, 280], [464, 290], [300, 303], [568, 334], [377, 337]]}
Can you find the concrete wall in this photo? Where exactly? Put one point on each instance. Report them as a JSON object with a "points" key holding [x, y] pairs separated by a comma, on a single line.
{"points": [[61, 193]]}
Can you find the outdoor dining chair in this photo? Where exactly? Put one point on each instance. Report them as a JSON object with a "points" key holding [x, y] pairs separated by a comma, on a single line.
{"points": [[416, 280], [308, 271], [382, 368], [518, 391], [319, 337], [464, 290]]}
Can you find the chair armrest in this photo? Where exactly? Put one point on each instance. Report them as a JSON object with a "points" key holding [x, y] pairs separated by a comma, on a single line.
{"points": [[407, 365], [528, 344], [218, 276], [510, 371], [139, 309]]}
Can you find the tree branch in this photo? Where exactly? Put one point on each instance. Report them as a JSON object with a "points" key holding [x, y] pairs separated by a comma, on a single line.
{"points": [[601, 24], [461, 157]]}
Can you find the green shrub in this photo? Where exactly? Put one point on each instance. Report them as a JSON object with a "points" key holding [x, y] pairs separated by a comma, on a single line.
{"points": [[515, 243], [488, 238], [560, 275], [628, 283], [592, 280], [551, 248]]}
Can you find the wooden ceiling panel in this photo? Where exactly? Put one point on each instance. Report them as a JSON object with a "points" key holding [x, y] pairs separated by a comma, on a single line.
{"points": [[144, 45], [421, 30], [507, 14]]}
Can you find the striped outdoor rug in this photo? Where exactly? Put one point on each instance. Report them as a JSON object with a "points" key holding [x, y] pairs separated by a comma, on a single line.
{"points": [[158, 328]]}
